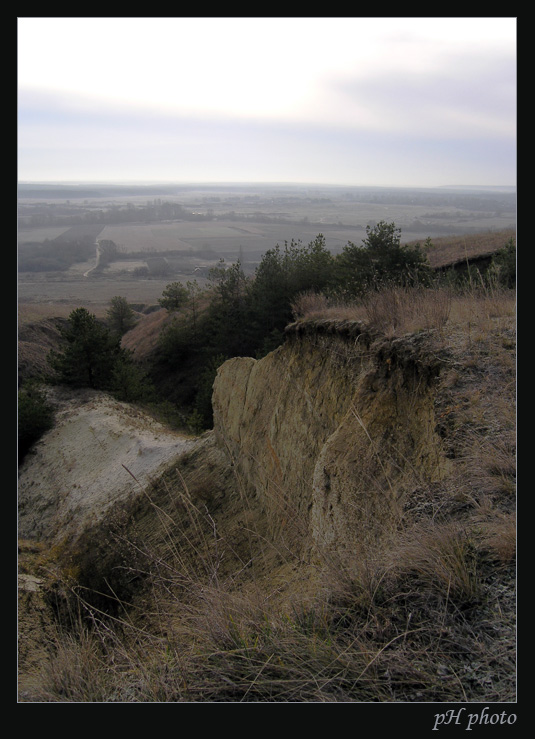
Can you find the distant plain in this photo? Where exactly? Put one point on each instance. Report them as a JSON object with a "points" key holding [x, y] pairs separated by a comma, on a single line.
{"points": [[229, 223]]}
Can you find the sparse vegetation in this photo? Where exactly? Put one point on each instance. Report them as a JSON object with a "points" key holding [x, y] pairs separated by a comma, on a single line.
{"points": [[505, 264]]}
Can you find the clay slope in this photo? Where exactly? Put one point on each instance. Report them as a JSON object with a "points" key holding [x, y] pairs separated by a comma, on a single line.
{"points": [[332, 428]]}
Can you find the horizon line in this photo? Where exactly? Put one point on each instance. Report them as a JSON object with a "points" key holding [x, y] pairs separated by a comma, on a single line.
{"points": [[288, 183]]}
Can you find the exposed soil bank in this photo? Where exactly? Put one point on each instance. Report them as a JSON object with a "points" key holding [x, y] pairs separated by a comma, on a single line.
{"points": [[100, 451]]}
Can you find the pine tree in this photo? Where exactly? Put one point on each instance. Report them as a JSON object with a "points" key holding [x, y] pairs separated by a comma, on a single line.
{"points": [[174, 296], [120, 316], [89, 355]]}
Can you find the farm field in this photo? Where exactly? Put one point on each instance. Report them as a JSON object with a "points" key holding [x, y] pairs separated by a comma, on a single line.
{"points": [[49, 298], [226, 237], [41, 233], [218, 222]]}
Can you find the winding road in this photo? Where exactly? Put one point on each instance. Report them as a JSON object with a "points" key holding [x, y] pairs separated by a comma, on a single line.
{"points": [[100, 251]]}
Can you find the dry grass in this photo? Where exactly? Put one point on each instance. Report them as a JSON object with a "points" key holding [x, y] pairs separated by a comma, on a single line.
{"points": [[397, 636], [143, 338], [448, 250], [220, 614], [397, 310], [416, 621], [408, 310], [439, 557]]}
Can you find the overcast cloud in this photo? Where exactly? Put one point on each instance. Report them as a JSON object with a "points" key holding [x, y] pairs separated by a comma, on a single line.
{"points": [[364, 101]]}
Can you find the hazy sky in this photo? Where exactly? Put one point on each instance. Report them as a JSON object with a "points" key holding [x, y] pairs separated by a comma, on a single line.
{"points": [[363, 101]]}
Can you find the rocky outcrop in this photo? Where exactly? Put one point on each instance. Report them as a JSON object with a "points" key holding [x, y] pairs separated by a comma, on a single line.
{"points": [[332, 429]]}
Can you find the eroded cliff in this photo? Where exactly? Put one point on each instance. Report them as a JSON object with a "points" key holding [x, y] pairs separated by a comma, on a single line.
{"points": [[331, 429]]}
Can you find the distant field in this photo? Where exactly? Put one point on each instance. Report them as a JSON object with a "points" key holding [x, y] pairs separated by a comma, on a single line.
{"points": [[43, 295], [45, 298], [147, 237], [240, 223], [29, 235], [225, 237]]}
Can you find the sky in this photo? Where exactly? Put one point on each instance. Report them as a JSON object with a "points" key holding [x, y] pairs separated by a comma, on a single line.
{"points": [[403, 102]]}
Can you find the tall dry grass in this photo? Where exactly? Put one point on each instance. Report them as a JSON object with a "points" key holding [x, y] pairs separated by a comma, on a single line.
{"points": [[222, 613], [397, 310], [415, 621]]}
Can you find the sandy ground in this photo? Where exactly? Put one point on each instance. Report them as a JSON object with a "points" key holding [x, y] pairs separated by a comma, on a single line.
{"points": [[100, 451]]}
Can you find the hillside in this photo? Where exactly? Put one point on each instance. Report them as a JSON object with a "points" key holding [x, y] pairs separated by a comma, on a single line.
{"points": [[447, 251], [345, 533]]}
